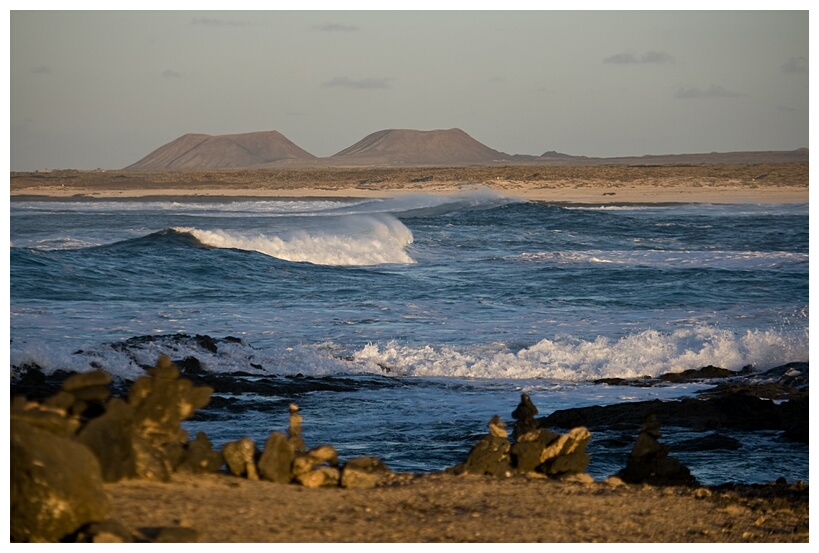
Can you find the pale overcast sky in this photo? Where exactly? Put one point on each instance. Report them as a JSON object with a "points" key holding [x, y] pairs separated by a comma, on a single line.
{"points": [[103, 89]]}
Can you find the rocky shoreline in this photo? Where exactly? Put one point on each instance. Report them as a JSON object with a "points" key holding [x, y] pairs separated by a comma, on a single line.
{"points": [[76, 439]]}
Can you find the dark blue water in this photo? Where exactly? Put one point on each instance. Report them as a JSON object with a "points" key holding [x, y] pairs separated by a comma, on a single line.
{"points": [[465, 301]]}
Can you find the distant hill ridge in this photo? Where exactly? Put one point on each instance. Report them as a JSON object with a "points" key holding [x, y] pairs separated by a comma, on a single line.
{"points": [[408, 146], [399, 147], [202, 151]]}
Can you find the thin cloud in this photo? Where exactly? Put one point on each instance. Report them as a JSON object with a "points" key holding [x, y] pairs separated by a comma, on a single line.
{"points": [[657, 57], [41, 70], [347, 82], [171, 74], [210, 22], [627, 58], [714, 91], [796, 65], [336, 28]]}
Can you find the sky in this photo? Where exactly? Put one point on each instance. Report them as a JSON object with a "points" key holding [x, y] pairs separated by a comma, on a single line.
{"points": [[102, 89]]}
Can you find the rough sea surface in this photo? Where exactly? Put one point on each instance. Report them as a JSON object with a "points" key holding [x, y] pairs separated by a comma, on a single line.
{"points": [[401, 326]]}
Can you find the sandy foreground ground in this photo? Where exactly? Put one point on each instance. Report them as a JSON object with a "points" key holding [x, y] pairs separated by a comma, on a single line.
{"points": [[459, 509]]}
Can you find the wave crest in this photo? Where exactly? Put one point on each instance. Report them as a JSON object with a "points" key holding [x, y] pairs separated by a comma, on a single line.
{"points": [[359, 240]]}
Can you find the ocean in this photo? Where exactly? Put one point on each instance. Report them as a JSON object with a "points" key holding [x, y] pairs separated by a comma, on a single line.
{"points": [[401, 326]]}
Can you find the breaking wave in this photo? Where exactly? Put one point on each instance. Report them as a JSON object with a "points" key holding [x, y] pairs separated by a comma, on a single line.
{"points": [[353, 240]]}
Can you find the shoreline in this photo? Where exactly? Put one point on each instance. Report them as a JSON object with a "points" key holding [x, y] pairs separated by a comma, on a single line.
{"points": [[585, 194]]}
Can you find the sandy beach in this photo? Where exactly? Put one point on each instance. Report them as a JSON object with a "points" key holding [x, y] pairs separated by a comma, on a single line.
{"points": [[444, 508], [763, 183]]}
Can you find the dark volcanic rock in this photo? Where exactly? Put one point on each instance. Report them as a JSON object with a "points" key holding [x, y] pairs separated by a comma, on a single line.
{"points": [[524, 415], [649, 461], [732, 411], [697, 374], [491, 455], [567, 454], [55, 485]]}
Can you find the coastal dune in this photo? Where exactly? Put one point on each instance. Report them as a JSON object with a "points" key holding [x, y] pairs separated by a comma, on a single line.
{"points": [[598, 184]]}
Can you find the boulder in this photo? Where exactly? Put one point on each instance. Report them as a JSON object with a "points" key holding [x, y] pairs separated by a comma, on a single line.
{"points": [[110, 437], [566, 454], [363, 472], [490, 456], [56, 485], [324, 454], [649, 461], [526, 454], [240, 457], [276, 461], [200, 457], [320, 477]]}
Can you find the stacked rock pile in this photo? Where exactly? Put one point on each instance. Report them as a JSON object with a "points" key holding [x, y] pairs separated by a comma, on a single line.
{"points": [[535, 449], [66, 446]]}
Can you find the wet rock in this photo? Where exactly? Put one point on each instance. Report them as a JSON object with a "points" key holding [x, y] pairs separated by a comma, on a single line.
{"points": [[276, 461], [110, 437], [710, 442], [364, 472], [240, 457], [55, 486], [728, 411], [697, 374]]}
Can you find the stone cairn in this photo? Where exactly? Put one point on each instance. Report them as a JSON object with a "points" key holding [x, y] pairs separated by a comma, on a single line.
{"points": [[649, 462], [535, 450], [64, 448]]}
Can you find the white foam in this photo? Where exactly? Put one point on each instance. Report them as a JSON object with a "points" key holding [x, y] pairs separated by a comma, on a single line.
{"points": [[568, 358], [745, 260], [564, 358], [372, 239]]}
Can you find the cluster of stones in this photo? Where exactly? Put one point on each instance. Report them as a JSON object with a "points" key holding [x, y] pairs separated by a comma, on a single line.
{"points": [[65, 447], [285, 459], [534, 450]]}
